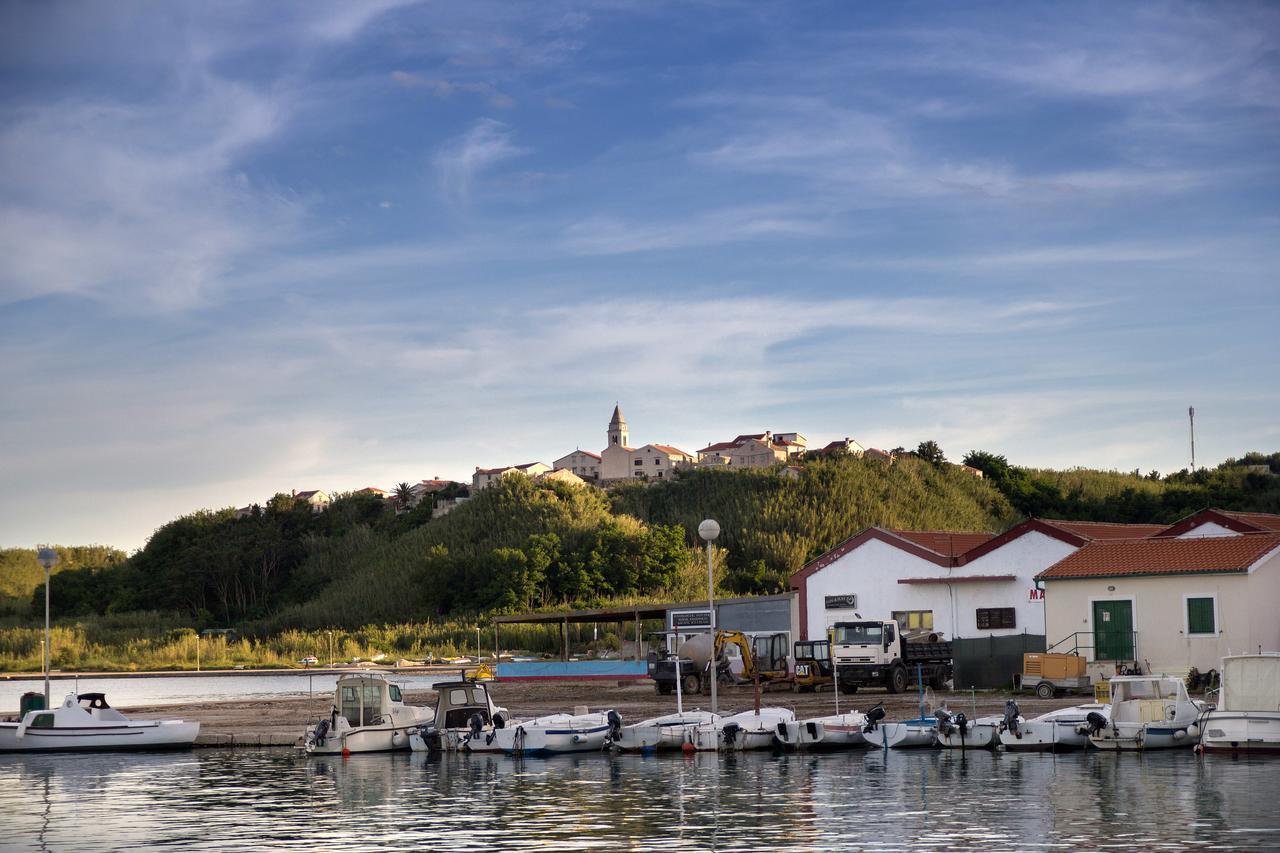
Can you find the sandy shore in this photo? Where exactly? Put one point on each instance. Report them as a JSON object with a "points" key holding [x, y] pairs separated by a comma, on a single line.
{"points": [[281, 721]]}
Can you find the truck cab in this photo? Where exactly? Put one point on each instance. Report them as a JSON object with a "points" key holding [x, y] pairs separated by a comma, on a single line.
{"points": [[870, 653]]}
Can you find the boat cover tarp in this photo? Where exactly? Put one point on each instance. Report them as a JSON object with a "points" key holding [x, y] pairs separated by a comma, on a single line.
{"points": [[1251, 683], [571, 670]]}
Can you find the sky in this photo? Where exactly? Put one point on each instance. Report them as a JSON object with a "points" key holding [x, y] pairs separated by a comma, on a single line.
{"points": [[254, 247]]}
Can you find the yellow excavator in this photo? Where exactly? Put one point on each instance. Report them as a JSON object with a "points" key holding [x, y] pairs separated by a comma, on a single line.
{"points": [[740, 658]]}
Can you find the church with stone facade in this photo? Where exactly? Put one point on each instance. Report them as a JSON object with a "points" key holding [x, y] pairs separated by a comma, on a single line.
{"points": [[620, 461]]}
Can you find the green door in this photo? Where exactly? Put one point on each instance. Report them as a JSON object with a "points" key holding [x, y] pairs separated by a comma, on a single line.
{"points": [[1113, 630]]}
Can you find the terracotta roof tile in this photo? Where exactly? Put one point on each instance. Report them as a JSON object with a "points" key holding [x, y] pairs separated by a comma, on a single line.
{"points": [[944, 541], [666, 448], [1164, 556], [1106, 529], [1263, 520]]}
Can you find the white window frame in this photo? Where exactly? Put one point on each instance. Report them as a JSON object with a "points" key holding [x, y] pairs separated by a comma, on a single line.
{"points": [[1186, 616]]}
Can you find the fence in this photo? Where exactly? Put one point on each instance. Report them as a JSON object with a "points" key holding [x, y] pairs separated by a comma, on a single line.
{"points": [[990, 662]]}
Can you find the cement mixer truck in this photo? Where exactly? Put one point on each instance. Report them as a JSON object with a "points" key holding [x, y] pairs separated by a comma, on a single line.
{"points": [[740, 658]]}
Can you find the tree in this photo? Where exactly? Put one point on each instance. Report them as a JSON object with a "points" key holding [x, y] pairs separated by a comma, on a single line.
{"points": [[930, 452], [404, 497]]}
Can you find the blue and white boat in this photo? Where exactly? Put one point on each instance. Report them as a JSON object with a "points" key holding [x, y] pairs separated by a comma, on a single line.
{"points": [[1148, 712], [553, 734]]}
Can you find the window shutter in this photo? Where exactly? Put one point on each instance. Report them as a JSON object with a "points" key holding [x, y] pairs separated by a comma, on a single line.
{"points": [[1200, 616]]}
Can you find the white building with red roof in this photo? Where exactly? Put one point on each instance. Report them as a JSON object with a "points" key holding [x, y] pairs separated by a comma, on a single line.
{"points": [[484, 477], [753, 450], [1179, 598], [584, 463], [962, 584], [620, 461]]}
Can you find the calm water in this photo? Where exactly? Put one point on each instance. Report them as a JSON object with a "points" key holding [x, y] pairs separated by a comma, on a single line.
{"points": [[277, 799], [132, 691]]}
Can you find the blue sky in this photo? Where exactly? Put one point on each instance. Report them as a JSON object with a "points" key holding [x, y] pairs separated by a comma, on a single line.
{"points": [[251, 247]]}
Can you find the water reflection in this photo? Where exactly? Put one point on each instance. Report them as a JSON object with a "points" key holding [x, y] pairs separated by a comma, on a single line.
{"points": [[876, 800]]}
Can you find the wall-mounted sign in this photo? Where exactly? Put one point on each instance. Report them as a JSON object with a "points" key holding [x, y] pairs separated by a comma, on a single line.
{"points": [[837, 602], [1035, 596], [685, 619]]}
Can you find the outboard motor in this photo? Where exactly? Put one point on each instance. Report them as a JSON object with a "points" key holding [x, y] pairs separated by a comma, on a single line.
{"points": [[945, 722], [321, 730], [476, 723], [615, 724], [499, 721], [962, 723], [873, 718], [1093, 723], [730, 733], [1010, 722]]}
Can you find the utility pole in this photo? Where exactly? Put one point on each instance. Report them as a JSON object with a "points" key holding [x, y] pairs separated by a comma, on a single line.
{"points": [[1191, 413]]}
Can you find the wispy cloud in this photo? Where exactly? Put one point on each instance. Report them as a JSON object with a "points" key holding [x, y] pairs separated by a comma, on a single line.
{"points": [[462, 160], [611, 236], [442, 88]]}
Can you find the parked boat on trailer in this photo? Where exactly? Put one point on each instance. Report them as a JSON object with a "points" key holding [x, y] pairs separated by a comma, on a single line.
{"points": [[85, 721], [464, 711], [838, 731], [957, 731], [1247, 718], [1148, 712], [552, 734], [368, 715], [674, 731]]}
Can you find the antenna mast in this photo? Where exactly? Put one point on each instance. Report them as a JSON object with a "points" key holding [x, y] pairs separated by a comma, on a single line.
{"points": [[1191, 413]]}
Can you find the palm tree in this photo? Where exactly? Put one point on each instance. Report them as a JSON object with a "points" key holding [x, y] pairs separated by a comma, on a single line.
{"points": [[404, 497]]}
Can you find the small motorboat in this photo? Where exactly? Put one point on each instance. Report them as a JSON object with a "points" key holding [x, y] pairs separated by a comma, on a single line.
{"points": [[368, 715], [1148, 712], [555, 733], [747, 730], [957, 731], [903, 734], [85, 721], [673, 731], [838, 731], [464, 711], [1247, 718]]}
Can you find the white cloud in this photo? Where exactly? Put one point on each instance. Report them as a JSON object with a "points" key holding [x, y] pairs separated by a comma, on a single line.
{"points": [[462, 160], [611, 236]]}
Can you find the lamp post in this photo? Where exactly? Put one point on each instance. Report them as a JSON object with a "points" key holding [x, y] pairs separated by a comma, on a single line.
{"points": [[709, 529], [330, 633], [48, 558]]}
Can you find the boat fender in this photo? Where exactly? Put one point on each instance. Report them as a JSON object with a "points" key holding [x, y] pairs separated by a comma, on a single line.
{"points": [[399, 739], [1180, 734], [1193, 730]]}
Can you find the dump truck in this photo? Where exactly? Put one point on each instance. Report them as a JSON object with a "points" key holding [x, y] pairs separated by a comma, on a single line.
{"points": [[740, 657], [870, 653]]}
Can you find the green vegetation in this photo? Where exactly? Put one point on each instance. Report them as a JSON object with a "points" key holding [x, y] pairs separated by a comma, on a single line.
{"points": [[403, 584], [1086, 495]]}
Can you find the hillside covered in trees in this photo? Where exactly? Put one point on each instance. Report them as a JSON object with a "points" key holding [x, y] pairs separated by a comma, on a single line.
{"points": [[524, 545]]}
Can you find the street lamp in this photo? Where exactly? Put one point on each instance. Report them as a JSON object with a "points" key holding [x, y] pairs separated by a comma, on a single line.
{"points": [[709, 529], [48, 558], [330, 634]]}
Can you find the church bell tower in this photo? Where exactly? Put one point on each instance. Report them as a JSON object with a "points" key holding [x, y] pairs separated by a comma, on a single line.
{"points": [[617, 429]]}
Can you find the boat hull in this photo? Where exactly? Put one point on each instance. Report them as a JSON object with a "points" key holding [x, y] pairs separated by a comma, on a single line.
{"points": [[548, 736], [842, 731], [164, 735], [916, 734], [1241, 732], [978, 736], [663, 733], [745, 731], [1130, 738], [363, 739]]}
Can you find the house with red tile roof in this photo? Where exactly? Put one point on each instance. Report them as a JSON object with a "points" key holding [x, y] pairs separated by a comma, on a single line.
{"points": [[484, 477], [962, 584], [1170, 601], [620, 461], [754, 450]]}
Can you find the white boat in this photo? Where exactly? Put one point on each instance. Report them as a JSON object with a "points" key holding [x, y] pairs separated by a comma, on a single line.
{"points": [[904, 734], [1247, 718], [464, 711], [368, 715], [1148, 712], [555, 733], [86, 722], [747, 730], [673, 731], [957, 731], [1057, 731], [838, 731]]}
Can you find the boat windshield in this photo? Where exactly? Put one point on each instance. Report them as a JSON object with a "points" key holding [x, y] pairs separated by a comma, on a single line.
{"points": [[859, 633], [1151, 689]]}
